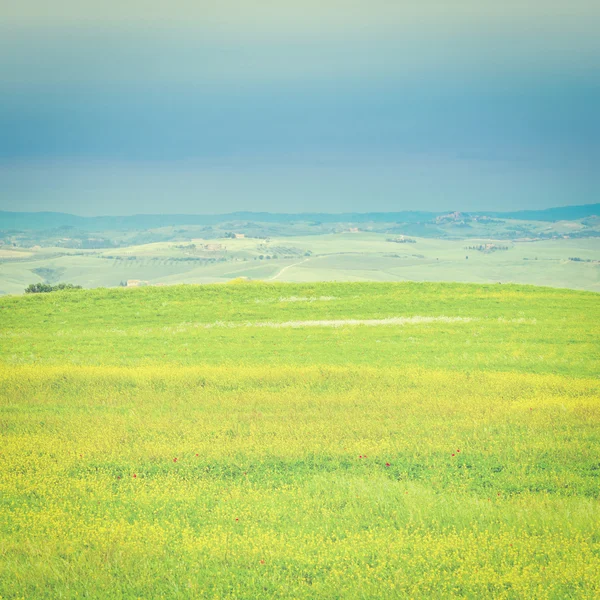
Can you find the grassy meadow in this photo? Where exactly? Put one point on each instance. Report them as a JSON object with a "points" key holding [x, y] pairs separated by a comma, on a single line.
{"points": [[326, 440]]}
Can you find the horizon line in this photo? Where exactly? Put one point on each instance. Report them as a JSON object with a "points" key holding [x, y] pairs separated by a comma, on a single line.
{"points": [[288, 214]]}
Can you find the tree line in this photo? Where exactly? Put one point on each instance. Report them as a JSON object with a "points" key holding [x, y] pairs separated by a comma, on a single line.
{"points": [[43, 288]]}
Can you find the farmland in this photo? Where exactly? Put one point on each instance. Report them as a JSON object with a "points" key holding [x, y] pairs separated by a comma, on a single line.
{"points": [[556, 247], [300, 440], [363, 256]]}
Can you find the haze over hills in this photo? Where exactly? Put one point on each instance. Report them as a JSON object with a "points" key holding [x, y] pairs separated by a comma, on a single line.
{"points": [[50, 220]]}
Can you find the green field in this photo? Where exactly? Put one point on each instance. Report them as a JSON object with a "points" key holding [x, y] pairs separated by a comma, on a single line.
{"points": [[316, 440]]}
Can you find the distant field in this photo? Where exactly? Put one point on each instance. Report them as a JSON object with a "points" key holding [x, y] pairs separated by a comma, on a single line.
{"points": [[359, 256], [319, 440]]}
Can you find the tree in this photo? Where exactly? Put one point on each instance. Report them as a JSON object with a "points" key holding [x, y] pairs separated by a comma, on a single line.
{"points": [[38, 288], [44, 288]]}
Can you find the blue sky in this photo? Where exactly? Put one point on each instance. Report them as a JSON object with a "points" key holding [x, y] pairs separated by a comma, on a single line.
{"points": [[210, 107]]}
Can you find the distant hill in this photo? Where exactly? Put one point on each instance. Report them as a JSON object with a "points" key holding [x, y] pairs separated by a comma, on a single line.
{"points": [[562, 213], [51, 220], [54, 220]]}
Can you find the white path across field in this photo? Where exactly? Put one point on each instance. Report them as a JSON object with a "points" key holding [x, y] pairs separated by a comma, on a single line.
{"points": [[371, 322], [285, 269], [342, 322], [398, 321]]}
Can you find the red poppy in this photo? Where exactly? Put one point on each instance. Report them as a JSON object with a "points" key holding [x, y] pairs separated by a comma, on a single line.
{"points": [[388, 465], [453, 454], [134, 475], [262, 562], [174, 460]]}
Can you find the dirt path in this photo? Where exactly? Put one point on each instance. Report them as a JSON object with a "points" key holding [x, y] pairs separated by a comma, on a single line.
{"points": [[286, 268], [340, 322], [368, 322]]}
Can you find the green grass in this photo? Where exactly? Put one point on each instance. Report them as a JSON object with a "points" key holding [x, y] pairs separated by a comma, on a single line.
{"points": [[514, 328], [145, 455]]}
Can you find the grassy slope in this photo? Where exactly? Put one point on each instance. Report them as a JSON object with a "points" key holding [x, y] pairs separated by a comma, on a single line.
{"points": [[554, 330], [490, 429]]}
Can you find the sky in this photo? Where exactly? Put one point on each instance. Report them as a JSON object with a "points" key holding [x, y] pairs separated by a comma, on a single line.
{"points": [[286, 106]]}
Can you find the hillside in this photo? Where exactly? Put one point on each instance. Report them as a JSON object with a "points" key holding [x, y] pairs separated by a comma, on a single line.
{"points": [[215, 323], [52, 220], [561, 255]]}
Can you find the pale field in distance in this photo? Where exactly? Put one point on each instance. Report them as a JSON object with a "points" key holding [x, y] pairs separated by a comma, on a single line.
{"points": [[331, 257]]}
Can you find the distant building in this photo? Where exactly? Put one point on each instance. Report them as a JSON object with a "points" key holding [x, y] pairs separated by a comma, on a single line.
{"points": [[456, 217], [239, 236], [136, 283]]}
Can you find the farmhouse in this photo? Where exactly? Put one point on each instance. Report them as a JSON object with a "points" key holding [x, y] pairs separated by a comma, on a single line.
{"points": [[136, 283]]}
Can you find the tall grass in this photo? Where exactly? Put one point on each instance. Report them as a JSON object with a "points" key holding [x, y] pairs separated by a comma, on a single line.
{"points": [[277, 475]]}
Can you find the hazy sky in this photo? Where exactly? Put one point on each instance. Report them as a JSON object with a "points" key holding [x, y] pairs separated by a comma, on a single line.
{"points": [[201, 107]]}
